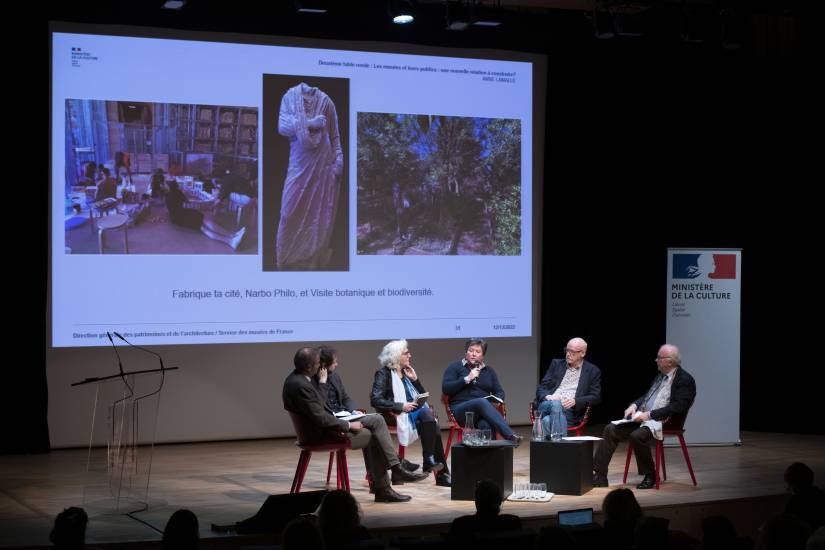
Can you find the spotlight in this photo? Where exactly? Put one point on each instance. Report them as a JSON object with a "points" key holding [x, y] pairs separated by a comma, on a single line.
{"points": [[311, 6], [402, 12], [173, 4]]}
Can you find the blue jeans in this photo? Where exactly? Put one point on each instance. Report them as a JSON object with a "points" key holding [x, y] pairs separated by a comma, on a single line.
{"points": [[546, 411], [486, 415]]}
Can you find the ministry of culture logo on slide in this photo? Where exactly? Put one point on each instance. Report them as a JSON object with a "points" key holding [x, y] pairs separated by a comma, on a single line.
{"points": [[710, 266], [78, 56]]}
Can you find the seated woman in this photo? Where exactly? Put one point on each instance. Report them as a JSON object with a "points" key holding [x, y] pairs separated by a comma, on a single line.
{"points": [[395, 390], [468, 383], [106, 187], [193, 219]]}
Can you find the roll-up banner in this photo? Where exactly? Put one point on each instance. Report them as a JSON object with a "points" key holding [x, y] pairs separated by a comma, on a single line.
{"points": [[704, 322]]}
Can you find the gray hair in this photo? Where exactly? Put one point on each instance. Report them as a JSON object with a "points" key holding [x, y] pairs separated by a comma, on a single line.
{"points": [[676, 357], [390, 356]]}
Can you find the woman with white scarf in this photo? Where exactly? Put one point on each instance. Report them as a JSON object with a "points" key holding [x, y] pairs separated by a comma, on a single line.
{"points": [[395, 391]]}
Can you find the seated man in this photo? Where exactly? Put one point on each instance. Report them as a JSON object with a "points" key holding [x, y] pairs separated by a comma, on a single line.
{"points": [[331, 387], [569, 385], [672, 392], [300, 396], [468, 382]]}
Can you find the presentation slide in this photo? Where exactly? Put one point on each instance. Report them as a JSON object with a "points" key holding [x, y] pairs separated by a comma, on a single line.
{"points": [[222, 192]]}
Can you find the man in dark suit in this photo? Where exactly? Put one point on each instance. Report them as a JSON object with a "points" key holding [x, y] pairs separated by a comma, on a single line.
{"points": [[301, 397], [672, 392], [569, 385], [332, 390]]}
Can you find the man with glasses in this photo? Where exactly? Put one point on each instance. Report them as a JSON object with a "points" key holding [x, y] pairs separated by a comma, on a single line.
{"points": [[569, 385], [672, 392]]}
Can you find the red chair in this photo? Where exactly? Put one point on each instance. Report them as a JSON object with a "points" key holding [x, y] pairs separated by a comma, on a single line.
{"points": [[673, 426], [337, 445], [578, 429], [456, 428]]}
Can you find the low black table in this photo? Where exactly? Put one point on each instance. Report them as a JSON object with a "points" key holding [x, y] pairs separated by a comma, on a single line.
{"points": [[470, 465], [565, 466]]}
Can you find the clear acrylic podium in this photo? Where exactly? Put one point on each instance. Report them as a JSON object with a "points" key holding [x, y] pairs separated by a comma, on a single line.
{"points": [[125, 416]]}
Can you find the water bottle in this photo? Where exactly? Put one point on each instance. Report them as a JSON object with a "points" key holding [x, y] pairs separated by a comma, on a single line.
{"points": [[557, 425], [469, 436], [468, 421], [538, 429]]}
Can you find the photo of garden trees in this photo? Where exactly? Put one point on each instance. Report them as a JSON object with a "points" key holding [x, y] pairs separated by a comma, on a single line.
{"points": [[438, 185]]}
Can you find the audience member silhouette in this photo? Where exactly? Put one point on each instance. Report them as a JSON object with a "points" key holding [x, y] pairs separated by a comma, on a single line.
{"points": [[181, 532], [807, 501], [339, 518], [69, 530], [487, 519], [718, 533], [302, 534], [621, 513], [783, 532]]}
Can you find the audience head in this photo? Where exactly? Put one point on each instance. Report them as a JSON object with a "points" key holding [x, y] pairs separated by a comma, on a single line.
{"points": [[488, 498], [69, 528], [181, 532], [651, 533], [329, 357], [302, 534], [620, 506], [338, 514], [718, 532], [307, 361], [799, 477], [390, 356], [784, 532]]}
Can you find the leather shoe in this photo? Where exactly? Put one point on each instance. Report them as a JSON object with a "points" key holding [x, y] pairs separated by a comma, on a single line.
{"points": [[409, 466], [444, 480], [400, 475], [430, 465], [599, 480], [387, 494], [649, 482], [515, 439]]}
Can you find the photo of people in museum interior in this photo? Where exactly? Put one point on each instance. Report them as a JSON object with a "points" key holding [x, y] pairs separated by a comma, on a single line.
{"points": [[160, 178]]}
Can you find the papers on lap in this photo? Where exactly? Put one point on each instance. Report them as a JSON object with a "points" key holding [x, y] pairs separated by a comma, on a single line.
{"points": [[350, 416], [627, 420]]}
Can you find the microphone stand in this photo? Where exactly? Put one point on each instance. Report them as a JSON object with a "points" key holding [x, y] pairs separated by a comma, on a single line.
{"points": [[133, 440]]}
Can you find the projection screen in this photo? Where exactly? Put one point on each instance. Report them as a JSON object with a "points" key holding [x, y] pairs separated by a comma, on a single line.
{"points": [[225, 199]]}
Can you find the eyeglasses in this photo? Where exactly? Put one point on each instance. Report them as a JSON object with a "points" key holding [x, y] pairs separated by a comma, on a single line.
{"points": [[659, 357], [568, 350]]}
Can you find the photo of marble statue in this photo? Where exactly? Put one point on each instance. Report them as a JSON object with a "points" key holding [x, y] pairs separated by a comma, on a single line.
{"points": [[304, 174]]}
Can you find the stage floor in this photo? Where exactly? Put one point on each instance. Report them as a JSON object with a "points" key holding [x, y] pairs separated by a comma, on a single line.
{"points": [[226, 482]]}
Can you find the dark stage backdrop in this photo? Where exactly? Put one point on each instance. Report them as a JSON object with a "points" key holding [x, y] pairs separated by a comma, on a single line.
{"points": [[644, 155]]}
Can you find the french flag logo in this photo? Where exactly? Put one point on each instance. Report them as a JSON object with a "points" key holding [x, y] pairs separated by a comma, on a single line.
{"points": [[711, 266]]}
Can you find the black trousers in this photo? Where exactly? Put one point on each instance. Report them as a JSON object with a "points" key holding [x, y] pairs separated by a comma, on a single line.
{"points": [[639, 437], [430, 435]]}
